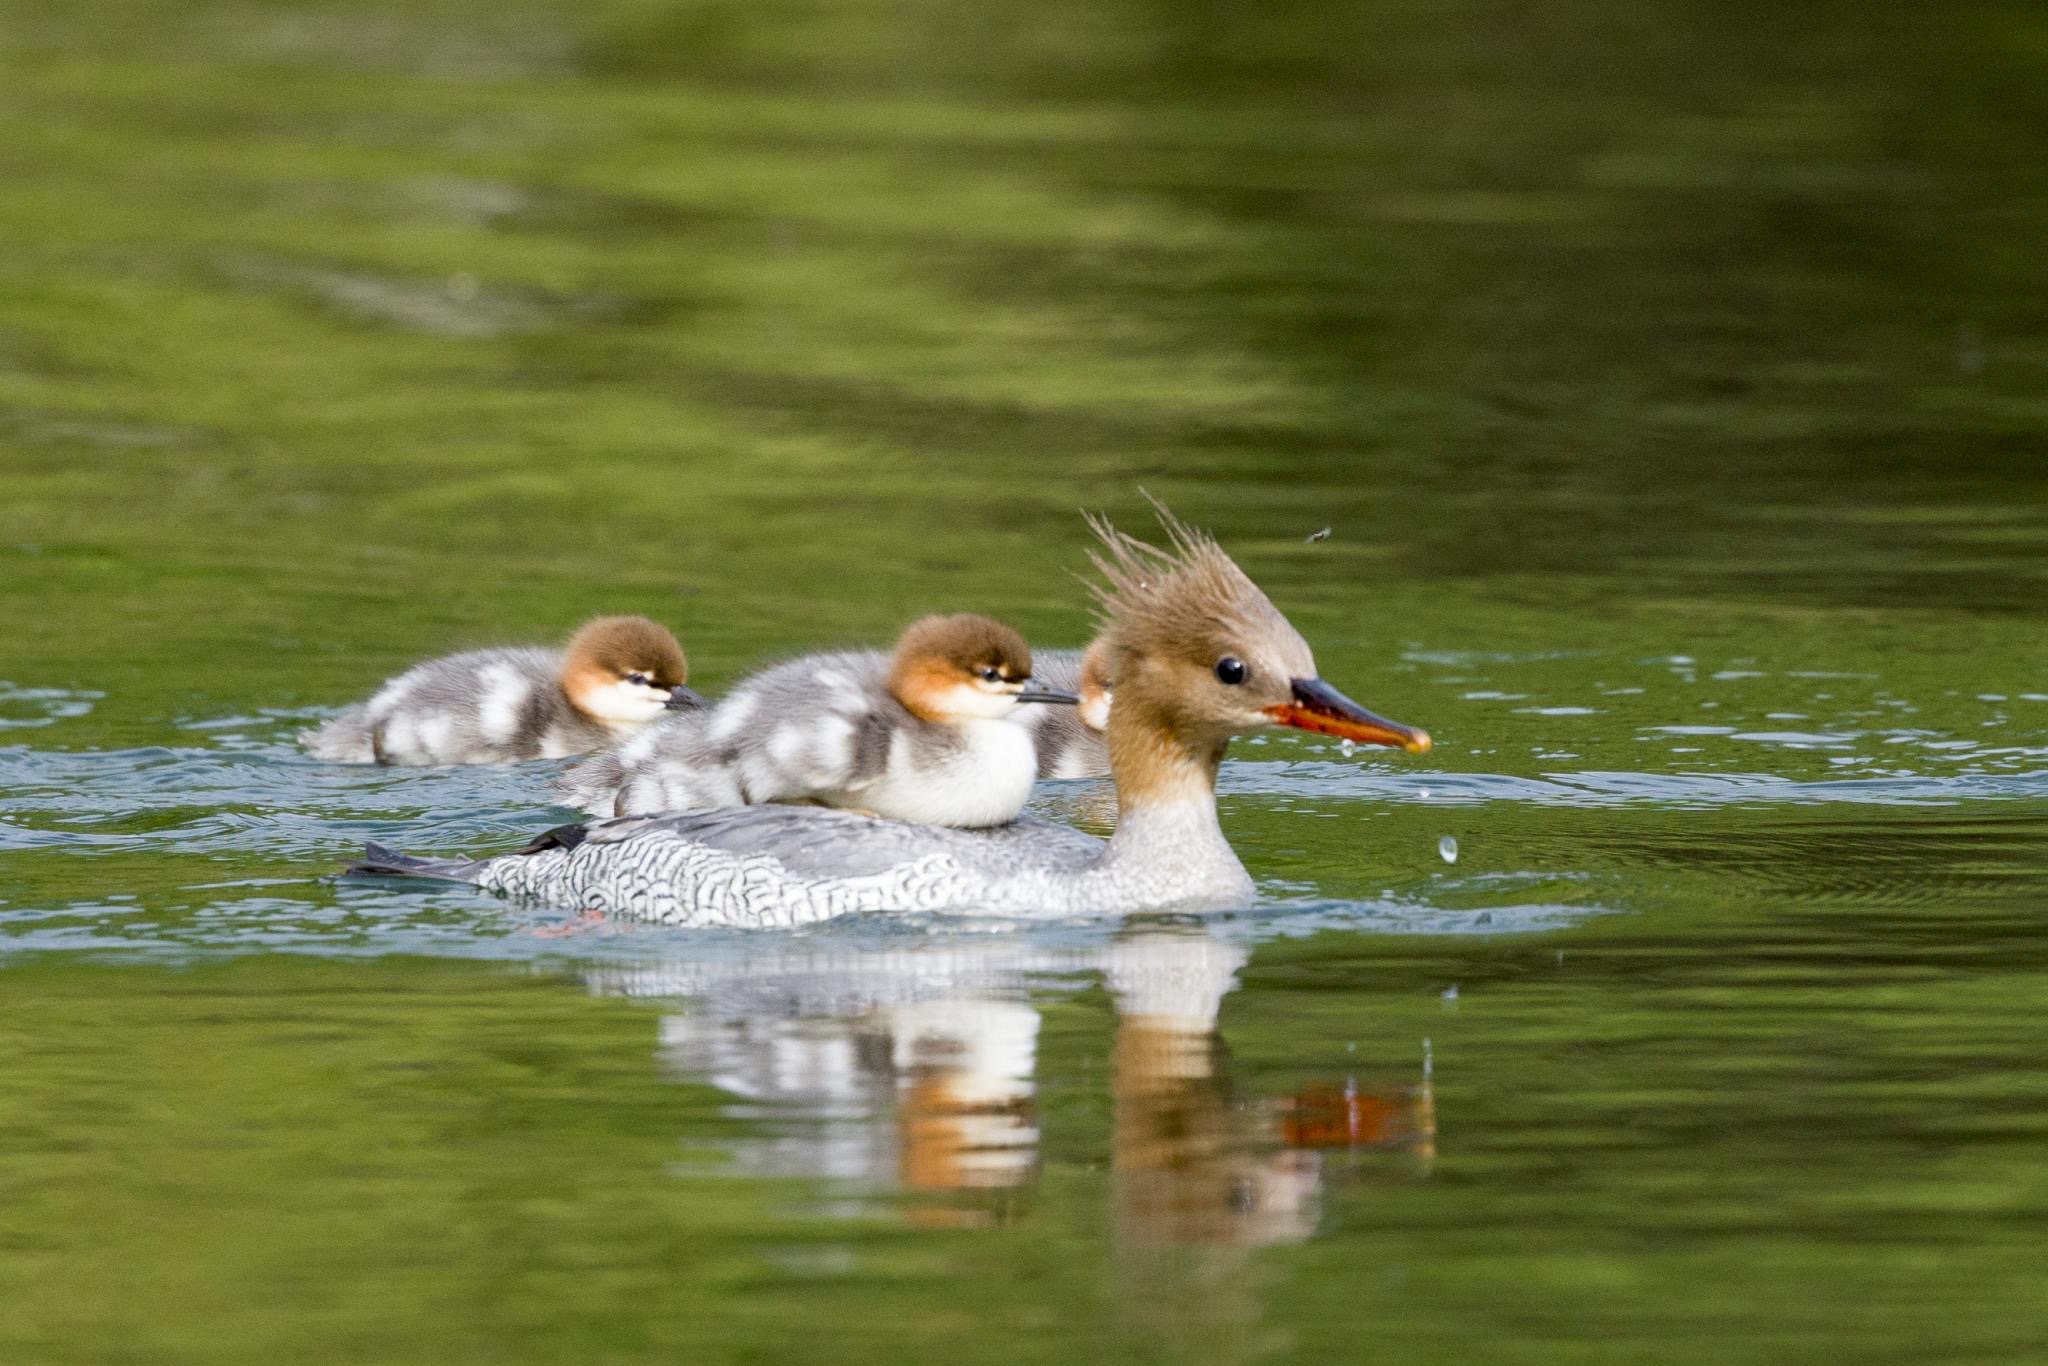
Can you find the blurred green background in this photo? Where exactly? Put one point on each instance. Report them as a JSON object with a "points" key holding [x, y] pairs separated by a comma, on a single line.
{"points": [[339, 329]]}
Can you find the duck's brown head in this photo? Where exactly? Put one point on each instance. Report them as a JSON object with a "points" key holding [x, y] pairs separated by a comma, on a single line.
{"points": [[1198, 652]]}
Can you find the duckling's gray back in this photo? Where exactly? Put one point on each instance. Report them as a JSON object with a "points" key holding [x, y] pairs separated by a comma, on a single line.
{"points": [[482, 706], [819, 721], [1066, 747]]}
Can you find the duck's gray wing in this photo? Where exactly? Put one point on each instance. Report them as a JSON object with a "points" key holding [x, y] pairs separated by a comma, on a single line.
{"points": [[820, 842]]}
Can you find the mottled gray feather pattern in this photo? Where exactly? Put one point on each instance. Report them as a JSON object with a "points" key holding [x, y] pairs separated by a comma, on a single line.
{"points": [[483, 706], [821, 727], [767, 867], [1066, 748]]}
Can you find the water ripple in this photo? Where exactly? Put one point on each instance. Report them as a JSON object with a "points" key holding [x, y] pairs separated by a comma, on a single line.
{"points": [[230, 843], [1320, 780], [27, 708]]}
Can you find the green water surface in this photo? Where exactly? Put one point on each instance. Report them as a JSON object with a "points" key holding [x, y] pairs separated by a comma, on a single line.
{"points": [[1672, 379]]}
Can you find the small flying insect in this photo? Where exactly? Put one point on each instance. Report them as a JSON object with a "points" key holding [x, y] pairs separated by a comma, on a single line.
{"points": [[1315, 536]]}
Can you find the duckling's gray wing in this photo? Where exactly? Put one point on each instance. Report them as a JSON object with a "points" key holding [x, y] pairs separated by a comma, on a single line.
{"points": [[1057, 669], [817, 724], [1066, 747], [482, 706]]}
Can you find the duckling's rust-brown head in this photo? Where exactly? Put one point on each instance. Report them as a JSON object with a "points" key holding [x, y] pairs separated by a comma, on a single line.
{"points": [[1198, 654], [625, 671], [964, 666]]}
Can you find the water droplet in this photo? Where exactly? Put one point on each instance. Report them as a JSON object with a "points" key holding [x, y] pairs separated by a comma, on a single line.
{"points": [[1347, 748], [1447, 849], [1425, 794]]}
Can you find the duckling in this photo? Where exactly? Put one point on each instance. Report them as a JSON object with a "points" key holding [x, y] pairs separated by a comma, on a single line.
{"points": [[516, 702], [1074, 743], [924, 734]]}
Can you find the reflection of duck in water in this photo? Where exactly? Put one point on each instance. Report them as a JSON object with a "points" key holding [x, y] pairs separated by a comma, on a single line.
{"points": [[932, 1097], [881, 1070], [1197, 655], [1198, 1176], [913, 1069], [1189, 1167], [1195, 1166]]}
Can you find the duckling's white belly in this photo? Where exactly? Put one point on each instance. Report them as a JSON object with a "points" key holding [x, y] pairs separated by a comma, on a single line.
{"points": [[985, 781]]}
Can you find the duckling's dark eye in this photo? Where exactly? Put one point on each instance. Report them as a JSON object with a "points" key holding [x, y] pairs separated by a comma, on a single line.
{"points": [[1230, 669], [642, 679], [992, 674]]}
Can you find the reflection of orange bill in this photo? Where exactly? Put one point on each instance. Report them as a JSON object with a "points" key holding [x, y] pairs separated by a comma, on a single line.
{"points": [[1324, 1116]]}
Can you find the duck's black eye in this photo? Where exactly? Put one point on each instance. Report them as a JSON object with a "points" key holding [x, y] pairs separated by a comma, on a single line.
{"points": [[642, 679], [1230, 669], [992, 674]]}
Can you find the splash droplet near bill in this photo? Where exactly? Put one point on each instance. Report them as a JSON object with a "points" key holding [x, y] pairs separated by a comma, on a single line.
{"points": [[1347, 748]]}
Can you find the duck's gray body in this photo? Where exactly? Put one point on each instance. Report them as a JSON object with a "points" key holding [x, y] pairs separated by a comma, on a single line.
{"points": [[777, 867], [481, 707], [1066, 747], [822, 728]]}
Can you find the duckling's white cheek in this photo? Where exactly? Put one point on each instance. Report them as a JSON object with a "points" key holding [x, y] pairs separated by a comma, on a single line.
{"points": [[1094, 711], [625, 704], [968, 700]]}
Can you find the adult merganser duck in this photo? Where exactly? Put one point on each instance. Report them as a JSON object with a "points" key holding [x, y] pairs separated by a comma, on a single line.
{"points": [[516, 702], [925, 734], [1074, 744], [1198, 655]]}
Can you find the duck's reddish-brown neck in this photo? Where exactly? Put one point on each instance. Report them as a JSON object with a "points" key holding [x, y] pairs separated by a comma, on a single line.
{"points": [[1155, 767]]}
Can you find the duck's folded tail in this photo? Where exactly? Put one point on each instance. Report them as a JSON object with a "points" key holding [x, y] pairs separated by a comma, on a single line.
{"points": [[381, 862]]}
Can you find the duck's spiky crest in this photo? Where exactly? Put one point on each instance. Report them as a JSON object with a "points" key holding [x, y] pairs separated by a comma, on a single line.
{"points": [[1176, 600]]}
